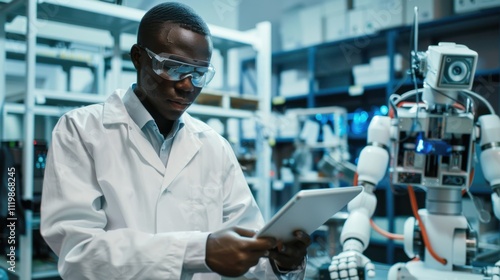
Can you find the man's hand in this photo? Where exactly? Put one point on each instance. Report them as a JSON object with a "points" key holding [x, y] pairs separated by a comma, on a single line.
{"points": [[232, 252], [348, 264], [290, 255]]}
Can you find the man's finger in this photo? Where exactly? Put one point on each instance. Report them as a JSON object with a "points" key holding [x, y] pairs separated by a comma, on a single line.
{"points": [[244, 231]]}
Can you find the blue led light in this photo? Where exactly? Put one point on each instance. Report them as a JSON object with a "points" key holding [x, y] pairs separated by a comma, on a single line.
{"points": [[423, 147], [384, 110], [432, 147]]}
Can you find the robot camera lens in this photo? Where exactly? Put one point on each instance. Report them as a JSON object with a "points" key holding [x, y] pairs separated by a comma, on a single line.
{"points": [[457, 71]]}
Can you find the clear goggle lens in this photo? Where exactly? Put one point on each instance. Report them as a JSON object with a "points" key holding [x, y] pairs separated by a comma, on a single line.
{"points": [[175, 70]]}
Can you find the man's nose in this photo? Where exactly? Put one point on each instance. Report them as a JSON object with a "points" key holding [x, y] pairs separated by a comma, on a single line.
{"points": [[185, 84]]}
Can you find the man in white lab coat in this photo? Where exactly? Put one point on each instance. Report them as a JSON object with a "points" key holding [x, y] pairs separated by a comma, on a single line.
{"points": [[136, 188]]}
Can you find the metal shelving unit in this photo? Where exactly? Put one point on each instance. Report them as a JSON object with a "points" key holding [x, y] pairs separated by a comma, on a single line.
{"points": [[114, 27]]}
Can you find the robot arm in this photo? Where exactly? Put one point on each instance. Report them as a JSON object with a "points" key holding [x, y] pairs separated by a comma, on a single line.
{"points": [[355, 236], [490, 156], [372, 166]]}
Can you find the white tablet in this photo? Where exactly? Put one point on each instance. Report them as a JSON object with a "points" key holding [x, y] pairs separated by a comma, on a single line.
{"points": [[307, 210]]}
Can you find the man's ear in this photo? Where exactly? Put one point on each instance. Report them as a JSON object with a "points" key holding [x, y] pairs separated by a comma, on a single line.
{"points": [[135, 55]]}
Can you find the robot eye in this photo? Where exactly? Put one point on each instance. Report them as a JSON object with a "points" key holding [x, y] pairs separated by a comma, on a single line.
{"points": [[457, 71]]}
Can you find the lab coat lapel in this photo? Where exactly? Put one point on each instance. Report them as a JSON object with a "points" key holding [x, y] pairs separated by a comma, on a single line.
{"points": [[144, 148], [114, 112], [185, 146]]}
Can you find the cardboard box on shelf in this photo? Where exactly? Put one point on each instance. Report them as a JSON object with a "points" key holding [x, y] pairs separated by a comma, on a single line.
{"points": [[382, 62], [291, 76], [377, 71], [363, 4], [364, 74], [335, 27], [311, 21], [428, 10], [301, 26], [385, 14], [290, 29], [335, 6], [335, 19], [294, 89], [356, 23], [293, 82], [463, 6], [379, 14]]}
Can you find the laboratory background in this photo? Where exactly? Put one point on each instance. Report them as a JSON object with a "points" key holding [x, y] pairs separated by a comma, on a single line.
{"points": [[400, 96]]}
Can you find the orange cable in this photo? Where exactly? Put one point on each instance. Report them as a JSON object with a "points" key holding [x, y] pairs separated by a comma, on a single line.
{"points": [[375, 226], [471, 178], [386, 233], [427, 243]]}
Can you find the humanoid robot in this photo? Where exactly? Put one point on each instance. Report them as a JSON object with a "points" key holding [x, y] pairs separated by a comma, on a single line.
{"points": [[429, 142]]}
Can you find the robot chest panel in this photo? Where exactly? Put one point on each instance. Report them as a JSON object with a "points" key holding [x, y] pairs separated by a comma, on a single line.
{"points": [[433, 150]]}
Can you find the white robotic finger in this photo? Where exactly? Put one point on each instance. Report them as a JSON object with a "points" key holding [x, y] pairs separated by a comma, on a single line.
{"points": [[370, 270], [334, 275], [370, 266], [343, 274], [496, 269], [352, 265], [495, 199]]}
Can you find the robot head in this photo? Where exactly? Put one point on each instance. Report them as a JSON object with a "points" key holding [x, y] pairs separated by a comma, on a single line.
{"points": [[450, 66]]}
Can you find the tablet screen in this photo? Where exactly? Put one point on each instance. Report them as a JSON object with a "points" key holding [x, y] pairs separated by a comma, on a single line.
{"points": [[307, 210]]}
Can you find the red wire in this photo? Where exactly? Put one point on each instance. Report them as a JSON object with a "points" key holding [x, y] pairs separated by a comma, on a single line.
{"points": [[427, 243], [386, 233], [374, 225]]}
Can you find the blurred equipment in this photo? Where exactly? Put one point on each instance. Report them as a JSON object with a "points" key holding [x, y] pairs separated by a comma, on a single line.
{"points": [[11, 156], [320, 147], [334, 165]]}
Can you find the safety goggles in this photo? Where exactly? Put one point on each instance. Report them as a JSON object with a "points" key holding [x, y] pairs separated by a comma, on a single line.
{"points": [[175, 68]]}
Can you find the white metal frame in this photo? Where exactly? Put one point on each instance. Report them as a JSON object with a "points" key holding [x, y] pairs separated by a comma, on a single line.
{"points": [[258, 38]]}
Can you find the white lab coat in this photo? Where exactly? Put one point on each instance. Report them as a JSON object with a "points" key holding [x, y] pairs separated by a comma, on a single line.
{"points": [[111, 210]]}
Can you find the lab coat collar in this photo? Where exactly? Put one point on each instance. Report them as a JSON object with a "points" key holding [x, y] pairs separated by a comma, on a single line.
{"points": [[115, 112], [187, 139], [135, 108]]}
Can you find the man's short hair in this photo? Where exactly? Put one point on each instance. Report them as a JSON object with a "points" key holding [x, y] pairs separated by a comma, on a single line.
{"points": [[172, 12]]}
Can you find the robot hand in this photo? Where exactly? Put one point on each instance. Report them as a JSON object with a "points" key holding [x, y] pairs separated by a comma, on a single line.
{"points": [[496, 272], [351, 265], [495, 198]]}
